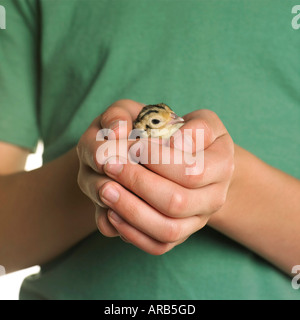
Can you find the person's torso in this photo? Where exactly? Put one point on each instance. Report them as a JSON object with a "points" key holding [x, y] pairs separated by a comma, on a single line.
{"points": [[239, 58]]}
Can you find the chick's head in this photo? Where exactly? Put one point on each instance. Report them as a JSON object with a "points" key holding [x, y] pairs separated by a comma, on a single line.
{"points": [[158, 121]]}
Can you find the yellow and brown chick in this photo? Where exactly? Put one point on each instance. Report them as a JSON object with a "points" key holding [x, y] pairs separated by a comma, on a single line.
{"points": [[157, 120]]}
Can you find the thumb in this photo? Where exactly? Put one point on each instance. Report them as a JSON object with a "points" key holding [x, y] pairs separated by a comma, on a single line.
{"points": [[119, 117]]}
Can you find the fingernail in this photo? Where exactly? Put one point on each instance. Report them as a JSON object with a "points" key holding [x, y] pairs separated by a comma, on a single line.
{"points": [[114, 216], [124, 239], [109, 194], [120, 126], [114, 125]]}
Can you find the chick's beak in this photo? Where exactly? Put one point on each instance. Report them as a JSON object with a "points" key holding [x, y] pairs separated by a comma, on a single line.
{"points": [[175, 118]]}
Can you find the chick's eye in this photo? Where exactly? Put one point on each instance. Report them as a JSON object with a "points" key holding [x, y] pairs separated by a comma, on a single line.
{"points": [[155, 121]]}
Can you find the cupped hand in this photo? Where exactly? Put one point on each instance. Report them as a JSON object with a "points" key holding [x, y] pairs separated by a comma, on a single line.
{"points": [[156, 206]]}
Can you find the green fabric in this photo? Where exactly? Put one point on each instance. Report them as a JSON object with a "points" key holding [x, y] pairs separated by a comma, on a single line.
{"points": [[19, 75], [63, 62]]}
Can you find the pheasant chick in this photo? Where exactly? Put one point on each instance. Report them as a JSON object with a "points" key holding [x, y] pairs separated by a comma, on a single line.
{"points": [[158, 120]]}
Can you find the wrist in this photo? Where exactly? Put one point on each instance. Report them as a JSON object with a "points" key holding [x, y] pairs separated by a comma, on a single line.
{"points": [[217, 219], [261, 211]]}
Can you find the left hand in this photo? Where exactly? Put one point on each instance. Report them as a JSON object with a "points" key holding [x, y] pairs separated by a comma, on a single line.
{"points": [[159, 206]]}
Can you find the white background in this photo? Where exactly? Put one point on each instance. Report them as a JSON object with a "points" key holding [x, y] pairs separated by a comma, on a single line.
{"points": [[10, 283]]}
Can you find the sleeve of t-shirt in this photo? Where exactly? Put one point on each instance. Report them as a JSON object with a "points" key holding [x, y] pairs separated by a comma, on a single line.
{"points": [[19, 74]]}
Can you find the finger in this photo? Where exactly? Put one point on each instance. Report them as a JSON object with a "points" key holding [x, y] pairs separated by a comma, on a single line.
{"points": [[172, 232], [119, 117], [212, 165], [103, 224], [206, 120], [138, 238], [88, 144], [97, 152], [162, 194], [90, 183], [115, 122], [109, 149], [138, 214]]}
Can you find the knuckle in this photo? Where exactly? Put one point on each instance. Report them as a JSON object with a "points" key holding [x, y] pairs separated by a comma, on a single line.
{"points": [[176, 204], [134, 180], [172, 232]]}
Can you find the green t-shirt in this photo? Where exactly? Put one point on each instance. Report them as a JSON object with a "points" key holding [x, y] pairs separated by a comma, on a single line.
{"points": [[63, 62]]}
